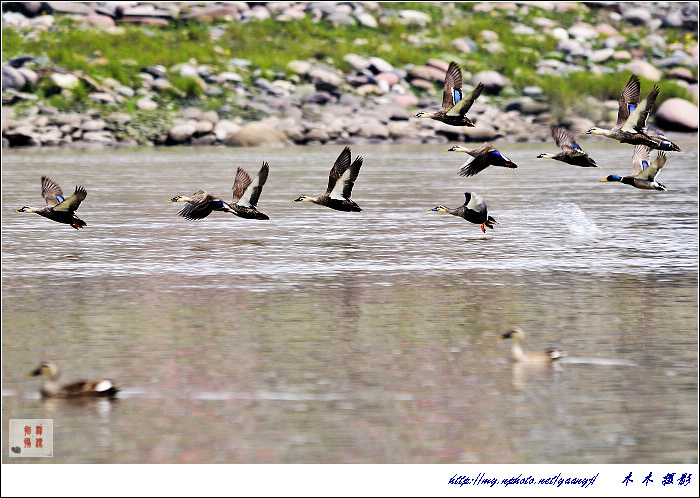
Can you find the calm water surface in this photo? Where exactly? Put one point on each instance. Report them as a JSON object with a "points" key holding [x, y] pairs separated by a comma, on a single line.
{"points": [[321, 336]]}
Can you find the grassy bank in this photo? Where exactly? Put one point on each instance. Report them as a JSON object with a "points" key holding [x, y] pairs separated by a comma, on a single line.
{"points": [[270, 45]]}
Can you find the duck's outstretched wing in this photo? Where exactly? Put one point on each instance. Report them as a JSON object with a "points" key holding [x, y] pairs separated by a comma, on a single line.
{"points": [[452, 88], [650, 172], [200, 206], [640, 159], [637, 120], [73, 202], [240, 183], [629, 98], [565, 140], [461, 107], [341, 164], [51, 191], [343, 188], [482, 158], [474, 202], [251, 194]]}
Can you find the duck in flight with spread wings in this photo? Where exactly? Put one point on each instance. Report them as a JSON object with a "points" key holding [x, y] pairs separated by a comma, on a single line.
{"points": [[454, 103], [340, 183], [58, 208]]}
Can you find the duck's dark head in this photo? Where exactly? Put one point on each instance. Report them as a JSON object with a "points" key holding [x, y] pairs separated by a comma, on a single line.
{"points": [[304, 198], [48, 368], [612, 178], [440, 209], [514, 333], [177, 198], [457, 148], [24, 209], [421, 114]]}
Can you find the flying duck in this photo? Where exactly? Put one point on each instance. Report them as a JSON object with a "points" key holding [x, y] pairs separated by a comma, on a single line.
{"points": [[340, 182], [631, 126], [58, 208], [473, 210], [201, 204], [246, 193], [533, 357], [79, 389], [643, 172], [454, 104], [482, 157], [571, 152]]}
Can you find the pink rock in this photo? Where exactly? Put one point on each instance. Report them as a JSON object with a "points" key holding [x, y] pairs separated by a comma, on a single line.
{"points": [[644, 69], [440, 64], [406, 100], [390, 78], [606, 29], [421, 83], [368, 88], [99, 20], [677, 114], [681, 73]]}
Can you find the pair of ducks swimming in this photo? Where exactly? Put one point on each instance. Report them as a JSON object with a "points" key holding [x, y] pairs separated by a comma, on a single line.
{"points": [[106, 388]]}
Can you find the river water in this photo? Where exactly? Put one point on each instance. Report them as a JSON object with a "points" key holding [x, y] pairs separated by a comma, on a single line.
{"points": [[328, 337]]}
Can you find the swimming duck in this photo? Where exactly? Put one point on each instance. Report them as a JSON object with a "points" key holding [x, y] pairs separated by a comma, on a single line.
{"points": [[340, 182], [571, 152], [246, 193], [643, 172], [58, 208], [533, 357], [473, 210], [454, 104], [79, 389], [201, 204], [482, 157], [631, 126]]}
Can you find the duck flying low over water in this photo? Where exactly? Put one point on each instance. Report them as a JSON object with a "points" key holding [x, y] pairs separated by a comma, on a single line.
{"points": [[518, 354], [482, 157], [246, 193], [631, 126], [571, 152], [644, 172], [58, 208], [473, 210], [454, 103], [79, 389], [340, 183], [201, 204]]}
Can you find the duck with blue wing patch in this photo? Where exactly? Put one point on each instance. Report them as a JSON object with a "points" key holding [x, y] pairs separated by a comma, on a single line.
{"points": [[644, 171], [631, 126], [482, 157], [340, 183], [571, 152], [474, 210], [58, 208], [200, 205], [454, 104]]}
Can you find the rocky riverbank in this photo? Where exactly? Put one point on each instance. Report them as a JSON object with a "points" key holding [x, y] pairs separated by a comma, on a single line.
{"points": [[350, 99]]}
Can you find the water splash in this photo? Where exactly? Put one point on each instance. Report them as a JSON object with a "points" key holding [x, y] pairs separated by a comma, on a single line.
{"points": [[576, 220]]}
